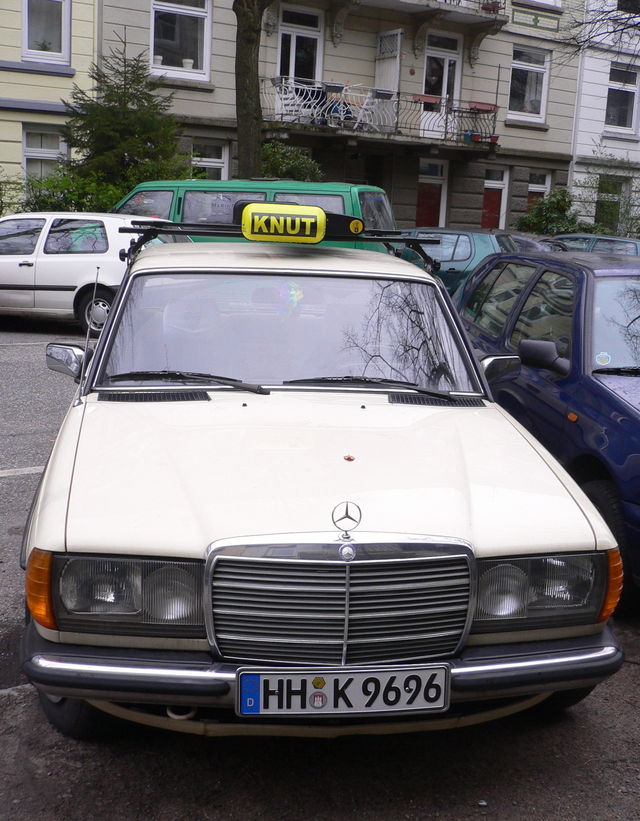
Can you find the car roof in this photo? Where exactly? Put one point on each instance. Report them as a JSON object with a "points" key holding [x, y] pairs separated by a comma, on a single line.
{"points": [[274, 257], [595, 236], [258, 182], [488, 231], [599, 265], [79, 215]]}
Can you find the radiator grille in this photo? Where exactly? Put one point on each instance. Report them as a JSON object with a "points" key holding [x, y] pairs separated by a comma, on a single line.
{"points": [[334, 613]]}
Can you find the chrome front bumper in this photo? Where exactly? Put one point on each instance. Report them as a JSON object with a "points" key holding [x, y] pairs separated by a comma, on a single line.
{"points": [[172, 677]]}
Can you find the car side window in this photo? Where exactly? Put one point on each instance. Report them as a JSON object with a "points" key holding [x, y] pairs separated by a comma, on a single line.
{"points": [[19, 236], [615, 246], [72, 236], [334, 203], [148, 204], [576, 243], [490, 304], [216, 206], [547, 313], [450, 248]]}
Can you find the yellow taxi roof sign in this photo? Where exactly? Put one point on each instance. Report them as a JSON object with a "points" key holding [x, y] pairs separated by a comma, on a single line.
{"points": [[278, 222]]}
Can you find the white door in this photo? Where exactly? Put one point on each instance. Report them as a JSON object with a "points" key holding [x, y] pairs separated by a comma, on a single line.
{"points": [[19, 239], [441, 85]]}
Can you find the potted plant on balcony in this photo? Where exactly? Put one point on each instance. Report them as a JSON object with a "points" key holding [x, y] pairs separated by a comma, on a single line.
{"points": [[490, 6]]}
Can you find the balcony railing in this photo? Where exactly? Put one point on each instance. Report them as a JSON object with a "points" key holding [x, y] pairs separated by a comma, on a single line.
{"points": [[373, 111]]}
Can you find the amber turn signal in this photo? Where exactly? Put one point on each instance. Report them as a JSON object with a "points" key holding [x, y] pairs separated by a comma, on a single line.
{"points": [[614, 585], [38, 588]]}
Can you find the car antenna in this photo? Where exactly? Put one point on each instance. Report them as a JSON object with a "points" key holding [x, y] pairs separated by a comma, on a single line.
{"points": [[83, 367]]}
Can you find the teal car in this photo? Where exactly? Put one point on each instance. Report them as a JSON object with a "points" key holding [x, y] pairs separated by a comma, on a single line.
{"points": [[459, 251]]}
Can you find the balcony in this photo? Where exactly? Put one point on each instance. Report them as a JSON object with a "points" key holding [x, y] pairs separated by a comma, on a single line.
{"points": [[328, 107]]}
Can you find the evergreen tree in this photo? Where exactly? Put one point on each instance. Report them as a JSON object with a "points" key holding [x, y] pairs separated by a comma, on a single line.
{"points": [[121, 129]]}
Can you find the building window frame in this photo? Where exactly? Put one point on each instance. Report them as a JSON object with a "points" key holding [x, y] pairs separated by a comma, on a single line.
{"points": [[613, 192], [40, 154], [539, 185], [617, 85], [293, 30], [165, 37], [45, 50], [536, 63], [207, 164]]}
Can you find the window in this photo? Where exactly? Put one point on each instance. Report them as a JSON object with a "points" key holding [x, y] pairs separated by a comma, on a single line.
{"points": [[494, 202], [181, 37], [612, 191], [212, 158], [42, 151], [46, 30], [300, 43], [333, 203], [19, 236], [621, 97], [490, 304], [547, 313], [630, 6], [449, 247], [148, 204], [615, 246], [528, 90], [215, 206], [539, 185], [72, 236]]}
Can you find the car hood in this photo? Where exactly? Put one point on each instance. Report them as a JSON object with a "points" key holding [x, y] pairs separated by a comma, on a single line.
{"points": [[626, 388], [169, 478]]}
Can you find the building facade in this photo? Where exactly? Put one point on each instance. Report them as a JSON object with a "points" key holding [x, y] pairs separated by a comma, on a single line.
{"points": [[45, 47], [606, 167], [463, 110]]}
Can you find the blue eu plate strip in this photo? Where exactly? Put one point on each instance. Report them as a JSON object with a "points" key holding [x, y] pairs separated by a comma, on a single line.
{"points": [[250, 694]]}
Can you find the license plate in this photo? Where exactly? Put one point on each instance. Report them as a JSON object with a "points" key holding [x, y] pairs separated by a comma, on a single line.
{"points": [[332, 692]]}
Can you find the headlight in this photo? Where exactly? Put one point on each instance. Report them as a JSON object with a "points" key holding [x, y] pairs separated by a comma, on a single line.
{"points": [[128, 596], [540, 591]]}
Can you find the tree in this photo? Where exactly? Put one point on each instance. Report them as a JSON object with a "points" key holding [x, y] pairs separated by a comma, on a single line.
{"points": [[121, 133], [121, 128], [553, 215], [602, 25], [248, 109], [289, 162]]}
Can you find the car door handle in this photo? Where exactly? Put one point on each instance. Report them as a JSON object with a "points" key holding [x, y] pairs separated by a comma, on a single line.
{"points": [[25, 265]]}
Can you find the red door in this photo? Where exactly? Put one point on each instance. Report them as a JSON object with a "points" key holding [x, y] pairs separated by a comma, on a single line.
{"points": [[428, 206], [491, 203]]}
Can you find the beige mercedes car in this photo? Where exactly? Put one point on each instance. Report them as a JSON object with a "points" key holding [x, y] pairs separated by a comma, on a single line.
{"points": [[284, 501]]}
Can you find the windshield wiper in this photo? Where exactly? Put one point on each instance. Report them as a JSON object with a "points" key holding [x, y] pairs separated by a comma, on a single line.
{"points": [[371, 380], [187, 376], [629, 370]]}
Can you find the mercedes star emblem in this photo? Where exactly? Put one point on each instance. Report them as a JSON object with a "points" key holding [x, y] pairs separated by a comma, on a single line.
{"points": [[346, 516]]}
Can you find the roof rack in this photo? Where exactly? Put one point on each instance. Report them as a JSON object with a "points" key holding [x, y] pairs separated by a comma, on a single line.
{"points": [[280, 222]]}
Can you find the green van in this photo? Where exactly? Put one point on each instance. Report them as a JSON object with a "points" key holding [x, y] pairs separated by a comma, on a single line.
{"points": [[212, 201]]}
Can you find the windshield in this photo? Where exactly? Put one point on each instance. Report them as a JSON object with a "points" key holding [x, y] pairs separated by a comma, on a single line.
{"points": [[266, 329], [616, 323]]}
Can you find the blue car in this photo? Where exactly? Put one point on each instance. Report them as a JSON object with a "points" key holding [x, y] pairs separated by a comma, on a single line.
{"points": [[574, 320], [458, 251]]}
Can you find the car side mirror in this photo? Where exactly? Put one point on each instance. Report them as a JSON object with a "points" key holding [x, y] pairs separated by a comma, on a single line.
{"points": [[543, 353], [500, 368], [67, 359]]}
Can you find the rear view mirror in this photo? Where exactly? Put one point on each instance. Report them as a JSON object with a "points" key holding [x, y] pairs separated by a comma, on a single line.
{"points": [[66, 359], [543, 353]]}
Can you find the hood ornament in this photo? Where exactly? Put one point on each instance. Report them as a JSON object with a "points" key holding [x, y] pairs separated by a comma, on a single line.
{"points": [[346, 516]]}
